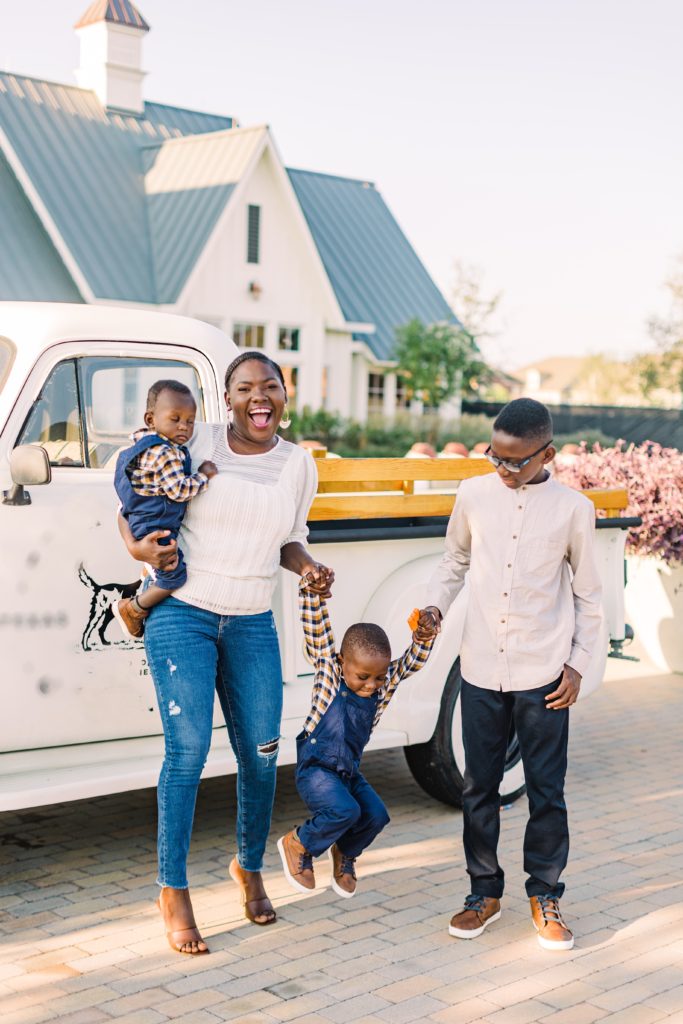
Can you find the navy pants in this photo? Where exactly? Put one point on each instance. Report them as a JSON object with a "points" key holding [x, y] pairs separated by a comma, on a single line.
{"points": [[345, 810], [543, 735]]}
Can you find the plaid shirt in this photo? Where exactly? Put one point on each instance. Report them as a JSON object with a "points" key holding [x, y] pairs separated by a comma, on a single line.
{"points": [[328, 672], [159, 470]]}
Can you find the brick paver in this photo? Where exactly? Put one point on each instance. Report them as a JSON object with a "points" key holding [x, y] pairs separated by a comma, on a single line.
{"points": [[81, 941]]}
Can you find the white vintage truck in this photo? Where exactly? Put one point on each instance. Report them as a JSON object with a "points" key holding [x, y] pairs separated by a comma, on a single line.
{"points": [[78, 705]]}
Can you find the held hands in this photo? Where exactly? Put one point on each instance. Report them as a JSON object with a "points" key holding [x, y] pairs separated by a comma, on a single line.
{"points": [[160, 556], [318, 578], [567, 692], [208, 468], [425, 623]]}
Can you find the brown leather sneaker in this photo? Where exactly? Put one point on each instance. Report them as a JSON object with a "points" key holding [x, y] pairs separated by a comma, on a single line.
{"points": [[552, 931], [343, 873], [297, 863], [131, 621], [477, 914]]}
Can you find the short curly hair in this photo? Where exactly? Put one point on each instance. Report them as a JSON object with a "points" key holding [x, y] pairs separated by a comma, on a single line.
{"points": [[525, 418], [167, 385], [366, 636]]}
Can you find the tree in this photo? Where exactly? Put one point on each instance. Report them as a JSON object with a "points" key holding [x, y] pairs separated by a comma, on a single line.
{"points": [[664, 368], [473, 309], [437, 361]]}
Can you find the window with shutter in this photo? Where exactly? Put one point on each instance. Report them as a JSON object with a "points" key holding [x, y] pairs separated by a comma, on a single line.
{"points": [[253, 233]]}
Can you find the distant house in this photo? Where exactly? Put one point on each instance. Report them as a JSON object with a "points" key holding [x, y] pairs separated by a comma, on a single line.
{"points": [[555, 381], [107, 198], [588, 380]]}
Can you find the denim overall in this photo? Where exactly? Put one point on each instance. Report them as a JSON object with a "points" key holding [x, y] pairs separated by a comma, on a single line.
{"points": [[345, 809], [155, 512]]}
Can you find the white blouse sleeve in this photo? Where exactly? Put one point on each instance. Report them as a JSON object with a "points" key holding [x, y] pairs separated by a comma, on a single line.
{"points": [[306, 487]]}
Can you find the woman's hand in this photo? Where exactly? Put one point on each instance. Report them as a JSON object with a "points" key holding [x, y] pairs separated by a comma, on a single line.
{"points": [[318, 578], [297, 559], [148, 549]]}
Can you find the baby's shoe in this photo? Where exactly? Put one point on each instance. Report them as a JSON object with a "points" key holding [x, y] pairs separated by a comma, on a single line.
{"points": [[131, 621]]}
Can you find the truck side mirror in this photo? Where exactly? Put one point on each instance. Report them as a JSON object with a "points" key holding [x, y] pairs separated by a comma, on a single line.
{"points": [[29, 465]]}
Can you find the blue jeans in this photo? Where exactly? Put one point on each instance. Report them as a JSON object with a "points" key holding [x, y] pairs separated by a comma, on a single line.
{"points": [[345, 810], [192, 654]]}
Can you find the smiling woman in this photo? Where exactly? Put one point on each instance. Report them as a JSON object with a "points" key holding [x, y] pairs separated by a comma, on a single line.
{"points": [[217, 634]]}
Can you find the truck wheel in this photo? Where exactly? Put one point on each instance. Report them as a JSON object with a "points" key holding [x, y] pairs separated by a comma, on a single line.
{"points": [[438, 766]]}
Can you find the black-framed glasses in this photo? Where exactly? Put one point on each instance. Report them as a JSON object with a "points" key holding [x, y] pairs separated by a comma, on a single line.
{"points": [[515, 467]]}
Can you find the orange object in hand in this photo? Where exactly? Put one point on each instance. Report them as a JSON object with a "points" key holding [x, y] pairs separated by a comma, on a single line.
{"points": [[414, 619]]}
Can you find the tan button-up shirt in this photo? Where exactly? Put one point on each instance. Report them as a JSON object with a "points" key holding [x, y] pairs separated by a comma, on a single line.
{"points": [[534, 600]]}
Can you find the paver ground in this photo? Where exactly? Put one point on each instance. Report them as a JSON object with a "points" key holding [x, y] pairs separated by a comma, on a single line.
{"points": [[81, 940]]}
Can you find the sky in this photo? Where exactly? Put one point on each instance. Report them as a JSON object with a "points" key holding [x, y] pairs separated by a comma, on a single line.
{"points": [[538, 141]]}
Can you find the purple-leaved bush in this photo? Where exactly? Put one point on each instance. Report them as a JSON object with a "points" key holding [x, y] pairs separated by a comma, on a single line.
{"points": [[653, 477]]}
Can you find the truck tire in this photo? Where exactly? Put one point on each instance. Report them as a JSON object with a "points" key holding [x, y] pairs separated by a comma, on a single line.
{"points": [[438, 766]]}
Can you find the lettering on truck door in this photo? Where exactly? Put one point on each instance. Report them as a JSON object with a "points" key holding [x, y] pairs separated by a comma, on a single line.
{"points": [[78, 678]]}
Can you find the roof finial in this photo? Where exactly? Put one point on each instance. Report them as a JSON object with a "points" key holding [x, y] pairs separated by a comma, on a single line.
{"points": [[117, 12]]}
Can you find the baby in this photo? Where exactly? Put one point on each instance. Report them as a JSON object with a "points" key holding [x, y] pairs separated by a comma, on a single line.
{"points": [[154, 484], [351, 690]]}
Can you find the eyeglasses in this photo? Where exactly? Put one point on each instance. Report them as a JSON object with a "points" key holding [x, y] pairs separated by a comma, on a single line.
{"points": [[513, 467]]}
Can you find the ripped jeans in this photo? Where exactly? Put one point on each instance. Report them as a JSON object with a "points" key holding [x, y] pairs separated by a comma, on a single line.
{"points": [[193, 654]]}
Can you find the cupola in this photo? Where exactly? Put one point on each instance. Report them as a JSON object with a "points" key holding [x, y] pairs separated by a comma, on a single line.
{"points": [[111, 34]]}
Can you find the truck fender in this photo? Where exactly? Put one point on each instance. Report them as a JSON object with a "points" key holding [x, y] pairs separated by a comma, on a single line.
{"points": [[415, 707]]}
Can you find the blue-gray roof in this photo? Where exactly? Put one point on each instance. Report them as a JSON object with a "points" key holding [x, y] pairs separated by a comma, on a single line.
{"points": [[86, 164], [136, 198], [375, 272], [30, 267]]}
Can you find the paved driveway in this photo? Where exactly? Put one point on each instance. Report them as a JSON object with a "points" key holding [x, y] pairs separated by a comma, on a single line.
{"points": [[82, 942]]}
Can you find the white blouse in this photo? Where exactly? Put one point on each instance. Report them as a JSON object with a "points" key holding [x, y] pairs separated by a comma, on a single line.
{"points": [[233, 532]]}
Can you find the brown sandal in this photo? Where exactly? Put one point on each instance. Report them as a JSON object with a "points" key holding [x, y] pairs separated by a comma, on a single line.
{"points": [[254, 908], [176, 943]]}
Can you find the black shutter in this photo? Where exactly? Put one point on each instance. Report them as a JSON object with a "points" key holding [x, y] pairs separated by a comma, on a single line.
{"points": [[254, 223]]}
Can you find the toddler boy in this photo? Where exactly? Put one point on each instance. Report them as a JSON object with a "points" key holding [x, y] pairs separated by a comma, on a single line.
{"points": [[154, 484], [351, 690]]}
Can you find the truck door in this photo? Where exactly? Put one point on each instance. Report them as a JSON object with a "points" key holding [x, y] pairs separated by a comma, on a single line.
{"points": [[70, 676]]}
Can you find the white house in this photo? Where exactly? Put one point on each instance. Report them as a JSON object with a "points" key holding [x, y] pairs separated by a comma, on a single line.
{"points": [[107, 198]]}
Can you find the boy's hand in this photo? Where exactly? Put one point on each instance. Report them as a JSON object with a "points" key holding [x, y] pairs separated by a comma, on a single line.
{"points": [[424, 624], [567, 692], [208, 468], [318, 578]]}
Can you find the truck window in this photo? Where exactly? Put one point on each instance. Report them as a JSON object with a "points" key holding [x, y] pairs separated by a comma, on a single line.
{"points": [[7, 351], [114, 396], [89, 406], [54, 420]]}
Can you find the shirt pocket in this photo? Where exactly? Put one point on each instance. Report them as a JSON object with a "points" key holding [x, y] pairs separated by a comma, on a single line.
{"points": [[543, 555]]}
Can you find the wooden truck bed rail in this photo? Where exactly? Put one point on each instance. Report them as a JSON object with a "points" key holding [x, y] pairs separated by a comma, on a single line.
{"points": [[385, 488]]}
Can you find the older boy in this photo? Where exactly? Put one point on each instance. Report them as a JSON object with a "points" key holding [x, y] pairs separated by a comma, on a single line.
{"points": [[532, 625]]}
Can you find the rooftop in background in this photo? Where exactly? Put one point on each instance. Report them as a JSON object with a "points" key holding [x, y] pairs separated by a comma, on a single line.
{"points": [[375, 272], [117, 12]]}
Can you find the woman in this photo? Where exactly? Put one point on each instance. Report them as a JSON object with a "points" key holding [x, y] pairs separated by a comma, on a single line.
{"points": [[216, 633]]}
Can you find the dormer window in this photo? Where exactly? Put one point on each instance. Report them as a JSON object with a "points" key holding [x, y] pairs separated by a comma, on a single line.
{"points": [[253, 233]]}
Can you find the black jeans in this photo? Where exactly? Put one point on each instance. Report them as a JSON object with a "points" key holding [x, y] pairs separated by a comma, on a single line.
{"points": [[543, 736]]}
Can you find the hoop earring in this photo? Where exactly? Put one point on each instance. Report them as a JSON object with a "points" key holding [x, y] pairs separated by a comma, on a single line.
{"points": [[286, 420], [230, 418]]}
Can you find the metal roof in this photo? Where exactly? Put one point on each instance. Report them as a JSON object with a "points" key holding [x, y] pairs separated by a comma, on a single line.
{"points": [[188, 183], [30, 267], [86, 164], [375, 272], [118, 12], [135, 200]]}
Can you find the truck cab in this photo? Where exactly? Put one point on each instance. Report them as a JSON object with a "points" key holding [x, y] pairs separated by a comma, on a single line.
{"points": [[79, 710]]}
